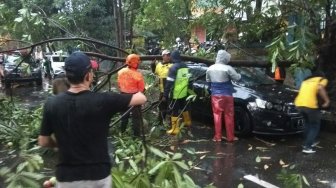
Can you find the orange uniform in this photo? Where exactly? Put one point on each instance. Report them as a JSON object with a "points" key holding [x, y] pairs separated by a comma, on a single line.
{"points": [[130, 81]]}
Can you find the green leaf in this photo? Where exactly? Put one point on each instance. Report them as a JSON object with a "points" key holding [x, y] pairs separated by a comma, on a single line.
{"points": [[282, 46], [305, 180], [291, 26], [294, 48], [177, 156], [189, 180], [297, 56], [33, 175], [258, 159], [18, 19], [117, 180], [21, 166], [158, 166], [158, 152], [177, 177], [27, 182], [190, 150], [133, 165], [23, 11], [293, 43], [182, 165]]}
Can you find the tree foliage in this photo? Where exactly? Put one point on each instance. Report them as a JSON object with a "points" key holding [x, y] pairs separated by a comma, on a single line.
{"points": [[168, 19], [294, 30]]}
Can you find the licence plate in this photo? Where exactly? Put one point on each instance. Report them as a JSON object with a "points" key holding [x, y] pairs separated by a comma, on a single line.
{"points": [[297, 123]]}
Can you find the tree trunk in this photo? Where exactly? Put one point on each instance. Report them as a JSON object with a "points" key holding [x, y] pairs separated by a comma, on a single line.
{"points": [[117, 24], [121, 25], [327, 54], [258, 6], [131, 23]]}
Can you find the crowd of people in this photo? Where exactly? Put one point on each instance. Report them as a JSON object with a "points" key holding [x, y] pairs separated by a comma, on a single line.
{"points": [[76, 120]]}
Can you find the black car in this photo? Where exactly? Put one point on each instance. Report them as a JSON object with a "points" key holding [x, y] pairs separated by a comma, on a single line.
{"points": [[261, 104], [16, 71]]}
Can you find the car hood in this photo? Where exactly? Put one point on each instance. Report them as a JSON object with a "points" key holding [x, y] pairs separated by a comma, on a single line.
{"points": [[275, 92]]}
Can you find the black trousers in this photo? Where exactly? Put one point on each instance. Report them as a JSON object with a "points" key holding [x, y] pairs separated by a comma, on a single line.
{"points": [[162, 109], [136, 116], [176, 106]]}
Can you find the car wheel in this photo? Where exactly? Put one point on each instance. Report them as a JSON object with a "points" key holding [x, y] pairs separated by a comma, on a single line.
{"points": [[243, 125]]}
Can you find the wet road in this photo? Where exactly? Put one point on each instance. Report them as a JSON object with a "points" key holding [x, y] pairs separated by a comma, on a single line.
{"points": [[225, 165], [28, 94]]}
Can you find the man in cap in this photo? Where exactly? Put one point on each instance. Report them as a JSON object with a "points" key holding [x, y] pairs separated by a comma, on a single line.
{"points": [[219, 77], [176, 90], [79, 120], [131, 81], [161, 70], [312, 95]]}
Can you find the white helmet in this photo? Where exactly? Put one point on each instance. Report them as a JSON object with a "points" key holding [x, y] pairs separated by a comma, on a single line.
{"points": [[178, 40]]}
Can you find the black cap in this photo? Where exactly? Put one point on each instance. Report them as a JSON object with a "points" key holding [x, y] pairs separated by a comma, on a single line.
{"points": [[77, 63]]}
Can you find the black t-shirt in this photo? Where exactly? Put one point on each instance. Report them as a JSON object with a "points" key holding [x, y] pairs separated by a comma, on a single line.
{"points": [[80, 122]]}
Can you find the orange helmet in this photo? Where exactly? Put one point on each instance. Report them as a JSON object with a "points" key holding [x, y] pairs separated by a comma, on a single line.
{"points": [[133, 61]]}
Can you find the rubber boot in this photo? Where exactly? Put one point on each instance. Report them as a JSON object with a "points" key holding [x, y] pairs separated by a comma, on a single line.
{"points": [[175, 126], [186, 118]]}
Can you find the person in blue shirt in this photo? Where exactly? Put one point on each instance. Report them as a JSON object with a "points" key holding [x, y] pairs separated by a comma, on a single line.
{"points": [[176, 90]]}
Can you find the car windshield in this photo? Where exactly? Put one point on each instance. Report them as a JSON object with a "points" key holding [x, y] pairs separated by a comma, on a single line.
{"points": [[58, 58], [197, 71], [11, 59], [251, 76]]}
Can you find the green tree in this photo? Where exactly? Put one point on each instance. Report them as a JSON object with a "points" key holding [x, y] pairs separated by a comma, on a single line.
{"points": [[168, 19]]}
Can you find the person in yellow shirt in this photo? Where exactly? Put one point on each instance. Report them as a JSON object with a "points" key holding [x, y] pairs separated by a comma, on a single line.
{"points": [[307, 102], [161, 70]]}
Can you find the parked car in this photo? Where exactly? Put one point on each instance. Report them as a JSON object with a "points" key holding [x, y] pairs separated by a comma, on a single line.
{"points": [[16, 71], [261, 104], [57, 63]]}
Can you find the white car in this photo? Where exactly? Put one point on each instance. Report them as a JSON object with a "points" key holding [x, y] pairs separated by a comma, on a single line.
{"points": [[57, 63]]}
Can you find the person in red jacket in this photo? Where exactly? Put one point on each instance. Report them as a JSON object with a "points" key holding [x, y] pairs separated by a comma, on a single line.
{"points": [[131, 81]]}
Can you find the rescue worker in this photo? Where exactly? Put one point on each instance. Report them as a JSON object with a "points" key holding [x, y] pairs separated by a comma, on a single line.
{"points": [[280, 74], [161, 70], [176, 90], [95, 68], [308, 104], [219, 77], [47, 68], [131, 81]]}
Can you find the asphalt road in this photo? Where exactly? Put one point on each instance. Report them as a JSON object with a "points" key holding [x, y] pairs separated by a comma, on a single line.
{"points": [[261, 158]]}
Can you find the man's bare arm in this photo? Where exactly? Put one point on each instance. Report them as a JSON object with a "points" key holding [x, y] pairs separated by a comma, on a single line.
{"points": [[47, 141], [324, 95], [138, 99]]}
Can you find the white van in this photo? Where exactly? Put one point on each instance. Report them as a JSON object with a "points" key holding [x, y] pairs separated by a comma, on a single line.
{"points": [[57, 63]]}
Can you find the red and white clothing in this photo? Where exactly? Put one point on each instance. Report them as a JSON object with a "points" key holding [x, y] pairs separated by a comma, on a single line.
{"points": [[219, 77]]}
